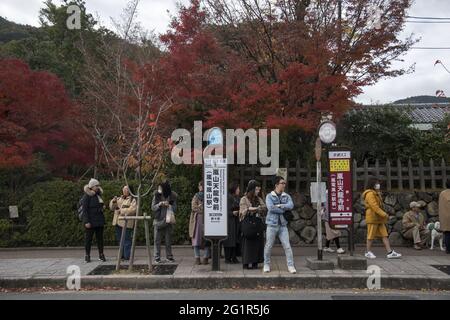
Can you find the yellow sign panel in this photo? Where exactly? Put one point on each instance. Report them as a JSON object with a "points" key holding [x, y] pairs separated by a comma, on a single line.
{"points": [[340, 165]]}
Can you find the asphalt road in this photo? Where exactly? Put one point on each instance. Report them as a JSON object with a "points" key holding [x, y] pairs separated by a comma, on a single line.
{"points": [[232, 295]]}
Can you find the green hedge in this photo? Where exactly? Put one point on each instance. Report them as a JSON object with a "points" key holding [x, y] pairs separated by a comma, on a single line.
{"points": [[50, 214]]}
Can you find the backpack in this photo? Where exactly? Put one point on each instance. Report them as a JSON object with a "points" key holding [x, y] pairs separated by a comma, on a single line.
{"points": [[79, 212]]}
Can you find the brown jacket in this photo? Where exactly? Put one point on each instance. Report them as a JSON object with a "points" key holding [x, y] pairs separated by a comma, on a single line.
{"points": [[245, 204], [197, 208], [123, 207], [444, 210], [410, 220], [374, 212]]}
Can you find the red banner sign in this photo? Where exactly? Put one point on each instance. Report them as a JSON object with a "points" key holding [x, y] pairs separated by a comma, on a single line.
{"points": [[340, 198]]}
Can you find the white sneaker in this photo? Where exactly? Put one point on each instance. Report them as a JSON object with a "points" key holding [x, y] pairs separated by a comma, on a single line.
{"points": [[266, 268], [394, 255], [292, 270], [370, 255], [328, 250], [340, 251]]}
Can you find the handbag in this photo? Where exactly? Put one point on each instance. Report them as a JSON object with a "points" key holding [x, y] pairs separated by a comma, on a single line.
{"points": [[252, 227], [170, 216]]}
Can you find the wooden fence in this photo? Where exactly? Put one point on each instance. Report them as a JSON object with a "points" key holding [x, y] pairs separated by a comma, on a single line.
{"points": [[394, 175]]}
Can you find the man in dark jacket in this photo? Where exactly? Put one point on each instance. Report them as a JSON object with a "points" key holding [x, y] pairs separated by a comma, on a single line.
{"points": [[93, 218]]}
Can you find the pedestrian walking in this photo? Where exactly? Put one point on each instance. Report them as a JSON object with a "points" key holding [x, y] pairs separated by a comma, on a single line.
{"points": [[376, 219]]}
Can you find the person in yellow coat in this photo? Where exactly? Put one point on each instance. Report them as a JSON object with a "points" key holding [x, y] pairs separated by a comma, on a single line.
{"points": [[376, 219]]}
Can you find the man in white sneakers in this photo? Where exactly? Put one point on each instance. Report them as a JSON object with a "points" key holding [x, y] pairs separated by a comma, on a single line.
{"points": [[278, 202]]}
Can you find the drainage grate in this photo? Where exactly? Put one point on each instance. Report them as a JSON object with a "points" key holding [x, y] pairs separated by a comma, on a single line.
{"points": [[372, 297], [443, 268], [160, 269]]}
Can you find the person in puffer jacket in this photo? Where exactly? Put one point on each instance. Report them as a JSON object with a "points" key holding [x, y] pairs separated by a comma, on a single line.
{"points": [[93, 218]]}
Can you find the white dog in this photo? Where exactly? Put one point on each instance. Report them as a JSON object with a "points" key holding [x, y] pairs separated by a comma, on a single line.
{"points": [[436, 233]]}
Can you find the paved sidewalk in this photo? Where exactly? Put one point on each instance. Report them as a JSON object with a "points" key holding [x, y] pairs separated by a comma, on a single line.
{"points": [[36, 268]]}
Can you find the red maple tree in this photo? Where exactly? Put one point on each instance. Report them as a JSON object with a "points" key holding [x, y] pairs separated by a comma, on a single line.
{"points": [[277, 64], [36, 116]]}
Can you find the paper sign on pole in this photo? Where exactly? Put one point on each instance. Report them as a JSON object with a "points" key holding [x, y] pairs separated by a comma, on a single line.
{"points": [[215, 196]]}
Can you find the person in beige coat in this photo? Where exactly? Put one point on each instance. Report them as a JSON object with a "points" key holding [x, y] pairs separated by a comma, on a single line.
{"points": [[413, 226], [197, 227], [124, 205], [444, 215]]}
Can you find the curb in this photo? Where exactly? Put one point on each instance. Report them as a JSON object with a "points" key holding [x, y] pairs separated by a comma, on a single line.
{"points": [[300, 281]]}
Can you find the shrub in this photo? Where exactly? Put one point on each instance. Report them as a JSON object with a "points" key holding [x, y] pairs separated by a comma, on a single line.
{"points": [[50, 210]]}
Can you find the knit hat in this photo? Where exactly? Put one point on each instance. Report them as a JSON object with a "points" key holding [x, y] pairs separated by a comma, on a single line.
{"points": [[415, 205], [93, 182]]}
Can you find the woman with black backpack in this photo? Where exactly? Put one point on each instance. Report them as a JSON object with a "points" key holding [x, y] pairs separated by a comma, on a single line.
{"points": [[252, 211], [92, 206]]}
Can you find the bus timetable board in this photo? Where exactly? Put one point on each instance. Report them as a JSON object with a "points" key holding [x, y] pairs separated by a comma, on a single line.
{"points": [[215, 198], [340, 201]]}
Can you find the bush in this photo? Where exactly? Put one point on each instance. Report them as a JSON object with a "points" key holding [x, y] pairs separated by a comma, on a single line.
{"points": [[5, 232], [50, 210]]}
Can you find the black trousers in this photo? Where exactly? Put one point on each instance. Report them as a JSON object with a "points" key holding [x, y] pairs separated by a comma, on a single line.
{"points": [[230, 253], [447, 241], [89, 235]]}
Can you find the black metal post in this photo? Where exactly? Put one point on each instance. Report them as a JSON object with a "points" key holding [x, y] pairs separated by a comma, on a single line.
{"points": [[215, 255]]}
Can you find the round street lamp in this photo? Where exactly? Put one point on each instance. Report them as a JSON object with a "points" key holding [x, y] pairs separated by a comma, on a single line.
{"points": [[327, 132]]}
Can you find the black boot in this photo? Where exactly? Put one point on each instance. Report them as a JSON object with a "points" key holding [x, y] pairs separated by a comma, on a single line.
{"points": [[102, 257], [87, 258]]}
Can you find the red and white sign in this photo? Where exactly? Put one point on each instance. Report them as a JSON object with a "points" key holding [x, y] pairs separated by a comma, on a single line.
{"points": [[340, 201]]}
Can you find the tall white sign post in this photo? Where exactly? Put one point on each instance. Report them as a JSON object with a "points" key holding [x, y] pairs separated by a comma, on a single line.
{"points": [[215, 184]]}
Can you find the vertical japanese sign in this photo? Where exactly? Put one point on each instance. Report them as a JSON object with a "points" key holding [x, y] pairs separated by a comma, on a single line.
{"points": [[340, 201], [215, 202]]}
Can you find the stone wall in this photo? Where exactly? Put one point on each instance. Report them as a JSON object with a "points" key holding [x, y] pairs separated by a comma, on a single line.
{"points": [[303, 229]]}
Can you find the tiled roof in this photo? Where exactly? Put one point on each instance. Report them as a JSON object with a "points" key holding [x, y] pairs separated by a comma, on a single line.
{"points": [[419, 112]]}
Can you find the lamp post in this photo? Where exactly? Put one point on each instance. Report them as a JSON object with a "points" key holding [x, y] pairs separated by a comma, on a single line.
{"points": [[327, 134]]}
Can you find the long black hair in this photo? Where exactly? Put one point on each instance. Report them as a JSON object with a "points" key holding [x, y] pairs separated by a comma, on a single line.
{"points": [[372, 182], [166, 189], [250, 192], [233, 188]]}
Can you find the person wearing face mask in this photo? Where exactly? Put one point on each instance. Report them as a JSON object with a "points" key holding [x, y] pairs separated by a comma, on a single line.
{"points": [[376, 219], [93, 218], [164, 199]]}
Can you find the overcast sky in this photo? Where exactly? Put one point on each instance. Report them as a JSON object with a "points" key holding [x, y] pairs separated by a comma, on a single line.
{"points": [[426, 79]]}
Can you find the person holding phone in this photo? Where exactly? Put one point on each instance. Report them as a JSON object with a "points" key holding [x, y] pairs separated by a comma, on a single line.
{"points": [[124, 205], [164, 199]]}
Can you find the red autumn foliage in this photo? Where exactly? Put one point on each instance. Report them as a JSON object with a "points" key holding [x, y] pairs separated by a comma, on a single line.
{"points": [[265, 69], [36, 116]]}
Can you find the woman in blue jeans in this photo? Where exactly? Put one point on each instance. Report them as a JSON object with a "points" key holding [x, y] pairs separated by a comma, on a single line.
{"points": [[125, 205]]}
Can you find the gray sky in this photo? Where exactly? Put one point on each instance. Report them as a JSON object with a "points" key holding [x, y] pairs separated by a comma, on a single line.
{"points": [[425, 80]]}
